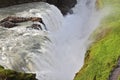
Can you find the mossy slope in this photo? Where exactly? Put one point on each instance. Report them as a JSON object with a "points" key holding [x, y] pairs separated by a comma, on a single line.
{"points": [[6, 74], [103, 54]]}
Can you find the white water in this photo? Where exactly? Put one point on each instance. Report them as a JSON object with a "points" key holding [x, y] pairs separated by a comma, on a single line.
{"points": [[30, 51], [71, 40]]}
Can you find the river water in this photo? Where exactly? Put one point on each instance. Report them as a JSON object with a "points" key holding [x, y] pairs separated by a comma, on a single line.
{"points": [[55, 54]]}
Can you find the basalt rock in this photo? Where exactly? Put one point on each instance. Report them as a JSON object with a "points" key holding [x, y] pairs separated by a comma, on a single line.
{"points": [[15, 19], [8, 24], [12, 21], [64, 5]]}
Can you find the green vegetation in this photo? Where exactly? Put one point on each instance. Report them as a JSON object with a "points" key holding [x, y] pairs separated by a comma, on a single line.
{"points": [[6, 74], [103, 54], [99, 4], [119, 78]]}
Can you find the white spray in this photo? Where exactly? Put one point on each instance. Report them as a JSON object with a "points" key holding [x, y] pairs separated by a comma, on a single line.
{"points": [[71, 40], [31, 50]]}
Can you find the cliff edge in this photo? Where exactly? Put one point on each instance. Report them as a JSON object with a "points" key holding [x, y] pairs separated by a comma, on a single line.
{"points": [[102, 57]]}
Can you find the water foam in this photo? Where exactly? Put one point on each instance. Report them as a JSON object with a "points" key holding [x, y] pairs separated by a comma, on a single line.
{"points": [[58, 57], [29, 50], [71, 40]]}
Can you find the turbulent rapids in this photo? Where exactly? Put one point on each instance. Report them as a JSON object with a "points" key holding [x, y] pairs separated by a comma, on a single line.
{"points": [[56, 54], [24, 49]]}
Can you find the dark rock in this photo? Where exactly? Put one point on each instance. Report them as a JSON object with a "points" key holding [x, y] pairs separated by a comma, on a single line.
{"points": [[15, 19], [8, 24], [6, 74], [35, 26], [37, 19], [64, 5], [11, 21], [115, 73]]}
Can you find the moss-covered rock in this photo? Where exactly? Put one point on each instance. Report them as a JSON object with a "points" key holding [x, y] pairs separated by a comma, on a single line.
{"points": [[6, 74], [103, 54]]}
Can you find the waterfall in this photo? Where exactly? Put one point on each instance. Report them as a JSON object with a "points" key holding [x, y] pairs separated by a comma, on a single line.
{"points": [[28, 50], [71, 40], [56, 54]]}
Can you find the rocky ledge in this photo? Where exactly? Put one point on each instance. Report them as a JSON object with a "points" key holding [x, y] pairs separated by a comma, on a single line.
{"points": [[64, 5], [6, 74], [13, 21]]}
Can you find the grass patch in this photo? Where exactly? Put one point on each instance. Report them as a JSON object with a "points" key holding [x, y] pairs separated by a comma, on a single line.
{"points": [[118, 78], [103, 54]]}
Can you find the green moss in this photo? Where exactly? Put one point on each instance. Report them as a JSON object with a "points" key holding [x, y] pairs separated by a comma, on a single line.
{"points": [[103, 54], [118, 78], [6, 74]]}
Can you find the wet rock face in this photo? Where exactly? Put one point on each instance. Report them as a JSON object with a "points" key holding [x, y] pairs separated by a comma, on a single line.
{"points": [[8, 24], [12, 21], [64, 5]]}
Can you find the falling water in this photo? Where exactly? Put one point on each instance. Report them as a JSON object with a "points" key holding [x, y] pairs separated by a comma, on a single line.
{"points": [[29, 50], [71, 40], [56, 54]]}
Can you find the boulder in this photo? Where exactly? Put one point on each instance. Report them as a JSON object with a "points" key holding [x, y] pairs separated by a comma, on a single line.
{"points": [[8, 24]]}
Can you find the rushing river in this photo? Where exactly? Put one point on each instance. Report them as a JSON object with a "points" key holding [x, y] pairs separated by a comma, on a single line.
{"points": [[55, 54]]}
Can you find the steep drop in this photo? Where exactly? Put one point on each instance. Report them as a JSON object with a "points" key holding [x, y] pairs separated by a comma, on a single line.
{"points": [[71, 40], [56, 54], [28, 50]]}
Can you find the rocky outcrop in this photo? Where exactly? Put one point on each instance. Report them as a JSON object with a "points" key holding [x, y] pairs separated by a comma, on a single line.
{"points": [[64, 5], [6, 74], [16, 19], [12, 21]]}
